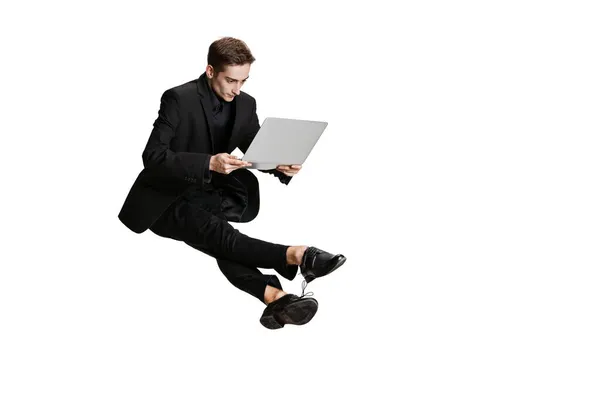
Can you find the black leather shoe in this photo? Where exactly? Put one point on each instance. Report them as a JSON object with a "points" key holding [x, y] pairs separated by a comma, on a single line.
{"points": [[289, 309], [316, 263]]}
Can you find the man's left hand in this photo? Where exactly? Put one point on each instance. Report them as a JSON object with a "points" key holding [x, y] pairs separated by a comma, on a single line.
{"points": [[289, 170]]}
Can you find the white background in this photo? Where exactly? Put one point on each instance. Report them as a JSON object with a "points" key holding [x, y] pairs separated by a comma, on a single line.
{"points": [[459, 174]]}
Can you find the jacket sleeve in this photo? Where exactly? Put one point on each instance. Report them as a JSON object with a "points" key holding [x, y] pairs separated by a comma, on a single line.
{"points": [[158, 156], [249, 134]]}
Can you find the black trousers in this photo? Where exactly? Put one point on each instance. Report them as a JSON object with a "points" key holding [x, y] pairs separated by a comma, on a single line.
{"points": [[200, 218]]}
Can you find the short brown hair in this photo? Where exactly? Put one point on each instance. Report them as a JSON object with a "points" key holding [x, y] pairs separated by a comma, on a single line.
{"points": [[228, 51]]}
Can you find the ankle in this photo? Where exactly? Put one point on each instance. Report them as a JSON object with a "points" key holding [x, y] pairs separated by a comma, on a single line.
{"points": [[272, 294], [300, 254], [294, 254]]}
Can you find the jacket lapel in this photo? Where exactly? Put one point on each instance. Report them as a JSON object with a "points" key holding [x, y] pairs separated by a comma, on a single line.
{"points": [[206, 107]]}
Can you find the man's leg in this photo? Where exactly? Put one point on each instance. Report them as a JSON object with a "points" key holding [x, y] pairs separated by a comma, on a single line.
{"points": [[265, 288], [214, 236]]}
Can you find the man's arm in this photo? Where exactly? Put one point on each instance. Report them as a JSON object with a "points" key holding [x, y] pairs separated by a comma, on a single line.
{"points": [[249, 135], [158, 156]]}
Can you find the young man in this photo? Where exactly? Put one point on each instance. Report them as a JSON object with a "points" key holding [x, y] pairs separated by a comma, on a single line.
{"points": [[191, 186]]}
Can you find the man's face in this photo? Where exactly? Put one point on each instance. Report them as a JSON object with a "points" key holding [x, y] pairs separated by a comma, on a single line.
{"points": [[227, 84]]}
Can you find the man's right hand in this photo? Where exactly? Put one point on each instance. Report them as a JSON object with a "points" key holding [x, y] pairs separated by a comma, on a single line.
{"points": [[224, 163]]}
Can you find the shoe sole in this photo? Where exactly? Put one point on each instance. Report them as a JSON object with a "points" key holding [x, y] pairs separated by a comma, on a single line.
{"points": [[340, 262], [297, 313]]}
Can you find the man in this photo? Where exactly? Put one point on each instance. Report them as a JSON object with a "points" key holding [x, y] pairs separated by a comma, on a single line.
{"points": [[191, 186]]}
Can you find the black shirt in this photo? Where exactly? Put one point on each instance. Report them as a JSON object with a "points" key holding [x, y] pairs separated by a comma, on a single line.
{"points": [[220, 119]]}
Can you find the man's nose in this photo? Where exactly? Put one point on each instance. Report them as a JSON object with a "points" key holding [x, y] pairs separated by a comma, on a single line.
{"points": [[236, 89]]}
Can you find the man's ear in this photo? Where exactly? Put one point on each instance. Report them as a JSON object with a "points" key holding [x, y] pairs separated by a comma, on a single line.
{"points": [[210, 71]]}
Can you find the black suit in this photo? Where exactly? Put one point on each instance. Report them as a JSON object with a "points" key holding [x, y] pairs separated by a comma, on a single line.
{"points": [[176, 164]]}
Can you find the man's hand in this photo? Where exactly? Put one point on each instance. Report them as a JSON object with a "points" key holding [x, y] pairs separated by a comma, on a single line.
{"points": [[289, 170], [224, 163]]}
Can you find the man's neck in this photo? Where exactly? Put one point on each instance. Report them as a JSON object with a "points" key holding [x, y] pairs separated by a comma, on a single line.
{"points": [[210, 86]]}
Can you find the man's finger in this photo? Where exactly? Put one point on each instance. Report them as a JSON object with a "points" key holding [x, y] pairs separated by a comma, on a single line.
{"points": [[287, 170], [234, 162]]}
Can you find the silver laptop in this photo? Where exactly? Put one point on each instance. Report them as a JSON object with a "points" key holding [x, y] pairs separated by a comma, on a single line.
{"points": [[283, 141]]}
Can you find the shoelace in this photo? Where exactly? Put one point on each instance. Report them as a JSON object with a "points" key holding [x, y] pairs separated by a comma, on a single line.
{"points": [[304, 285]]}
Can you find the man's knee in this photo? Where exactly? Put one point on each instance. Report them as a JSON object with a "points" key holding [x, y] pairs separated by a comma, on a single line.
{"points": [[249, 214], [245, 187]]}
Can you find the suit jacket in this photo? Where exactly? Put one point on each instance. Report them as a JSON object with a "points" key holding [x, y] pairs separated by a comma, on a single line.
{"points": [[178, 152]]}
